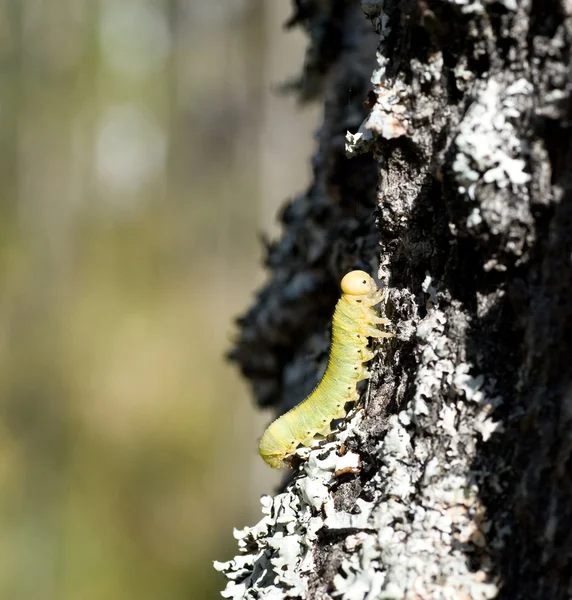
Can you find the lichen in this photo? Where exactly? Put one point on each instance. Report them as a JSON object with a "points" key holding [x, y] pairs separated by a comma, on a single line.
{"points": [[426, 512], [410, 533], [388, 117], [489, 150], [276, 555]]}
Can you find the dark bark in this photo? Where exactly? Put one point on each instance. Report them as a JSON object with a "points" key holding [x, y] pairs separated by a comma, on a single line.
{"points": [[461, 171]]}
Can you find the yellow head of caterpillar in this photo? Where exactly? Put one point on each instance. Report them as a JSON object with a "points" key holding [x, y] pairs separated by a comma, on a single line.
{"points": [[358, 283]]}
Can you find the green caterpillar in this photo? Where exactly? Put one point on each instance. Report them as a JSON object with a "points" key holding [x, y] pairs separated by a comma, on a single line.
{"points": [[353, 323]]}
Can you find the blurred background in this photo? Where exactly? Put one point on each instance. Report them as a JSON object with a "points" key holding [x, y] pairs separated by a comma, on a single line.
{"points": [[143, 151]]}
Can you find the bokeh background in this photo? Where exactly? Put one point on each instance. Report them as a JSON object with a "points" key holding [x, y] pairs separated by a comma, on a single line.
{"points": [[143, 149]]}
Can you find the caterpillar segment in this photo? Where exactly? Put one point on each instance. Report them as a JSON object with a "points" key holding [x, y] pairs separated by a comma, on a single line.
{"points": [[355, 321]]}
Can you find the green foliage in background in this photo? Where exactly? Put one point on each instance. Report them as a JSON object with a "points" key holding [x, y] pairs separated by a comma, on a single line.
{"points": [[128, 226]]}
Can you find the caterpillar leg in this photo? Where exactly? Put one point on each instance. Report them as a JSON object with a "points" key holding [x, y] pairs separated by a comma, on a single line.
{"points": [[374, 332], [375, 320], [374, 298], [366, 355], [363, 373]]}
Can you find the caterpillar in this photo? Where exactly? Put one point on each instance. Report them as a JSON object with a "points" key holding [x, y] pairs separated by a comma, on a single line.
{"points": [[354, 321]]}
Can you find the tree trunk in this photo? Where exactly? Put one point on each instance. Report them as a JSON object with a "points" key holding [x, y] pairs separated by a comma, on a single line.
{"points": [[458, 165]]}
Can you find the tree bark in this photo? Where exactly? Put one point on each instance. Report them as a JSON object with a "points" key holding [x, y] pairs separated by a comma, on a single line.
{"points": [[445, 141]]}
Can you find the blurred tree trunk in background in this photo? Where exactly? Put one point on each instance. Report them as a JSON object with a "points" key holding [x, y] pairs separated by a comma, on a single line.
{"points": [[458, 164]]}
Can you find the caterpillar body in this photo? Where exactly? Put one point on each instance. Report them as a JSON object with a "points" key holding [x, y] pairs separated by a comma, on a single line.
{"points": [[354, 321]]}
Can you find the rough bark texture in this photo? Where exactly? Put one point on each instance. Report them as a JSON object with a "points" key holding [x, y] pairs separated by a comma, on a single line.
{"points": [[458, 164]]}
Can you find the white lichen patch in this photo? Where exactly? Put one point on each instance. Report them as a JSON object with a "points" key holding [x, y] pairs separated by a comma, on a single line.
{"points": [[418, 530], [387, 119], [470, 6], [488, 148], [348, 463], [276, 556], [426, 513]]}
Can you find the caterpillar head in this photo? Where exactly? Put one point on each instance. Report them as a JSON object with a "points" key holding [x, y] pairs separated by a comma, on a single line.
{"points": [[358, 283]]}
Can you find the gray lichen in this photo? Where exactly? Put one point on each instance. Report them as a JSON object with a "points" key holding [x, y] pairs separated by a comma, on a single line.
{"points": [[426, 514], [388, 117], [276, 554], [489, 149], [423, 502]]}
